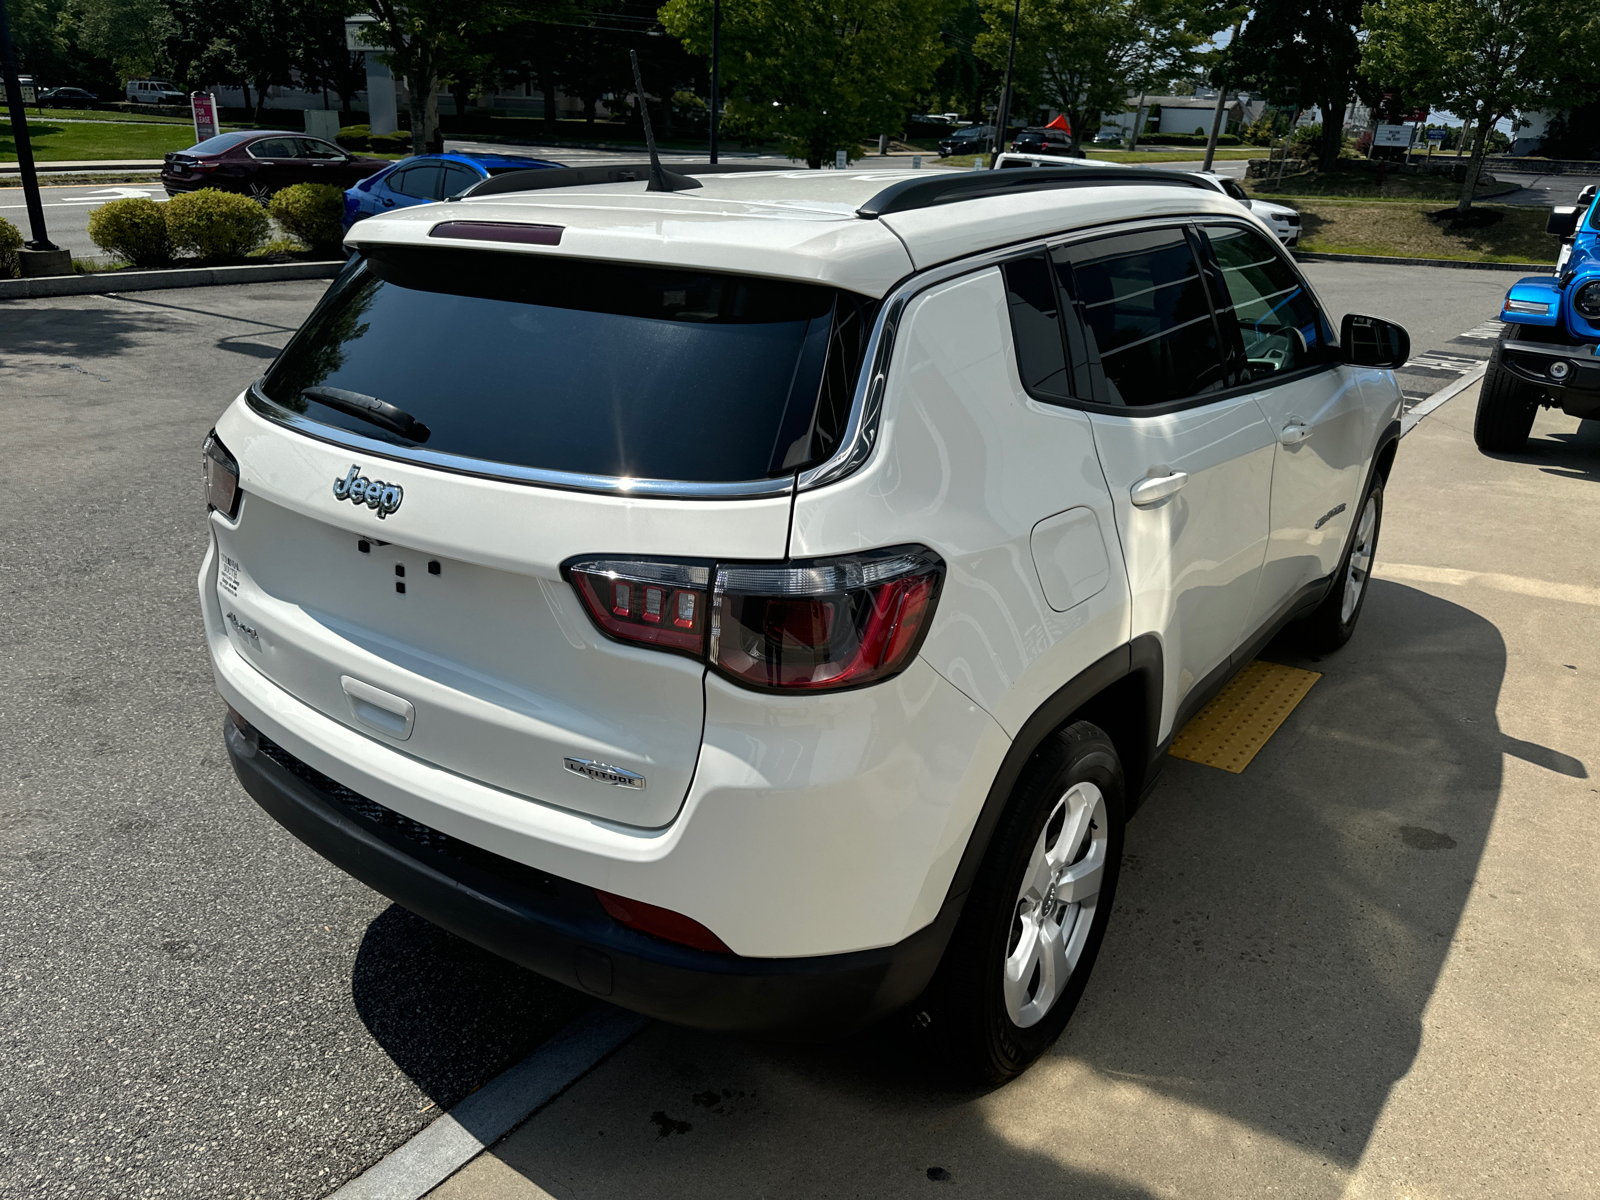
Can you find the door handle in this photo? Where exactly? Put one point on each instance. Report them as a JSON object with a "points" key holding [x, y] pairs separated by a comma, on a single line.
{"points": [[1295, 432], [1151, 491]]}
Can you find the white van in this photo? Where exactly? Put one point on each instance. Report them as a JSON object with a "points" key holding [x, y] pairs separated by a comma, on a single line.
{"points": [[154, 91]]}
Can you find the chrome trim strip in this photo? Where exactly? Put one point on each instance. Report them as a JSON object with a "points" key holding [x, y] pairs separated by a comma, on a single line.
{"points": [[506, 472], [861, 432]]}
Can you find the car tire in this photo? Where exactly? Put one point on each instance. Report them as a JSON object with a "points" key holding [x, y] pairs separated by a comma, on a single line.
{"points": [[1506, 404], [1334, 620], [1020, 958]]}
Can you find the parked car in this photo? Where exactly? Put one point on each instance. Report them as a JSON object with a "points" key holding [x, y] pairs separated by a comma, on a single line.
{"points": [[1042, 140], [154, 91], [1548, 347], [428, 177], [258, 163], [1109, 136], [743, 604], [67, 97], [970, 139], [1284, 220]]}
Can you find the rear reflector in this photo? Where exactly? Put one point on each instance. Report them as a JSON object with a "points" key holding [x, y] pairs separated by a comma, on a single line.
{"points": [[499, 231], [661, 922]]}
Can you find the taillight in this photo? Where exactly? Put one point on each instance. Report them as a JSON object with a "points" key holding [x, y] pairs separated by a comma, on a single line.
{"points": [[662, 604], [221, 476], [821, 623]]}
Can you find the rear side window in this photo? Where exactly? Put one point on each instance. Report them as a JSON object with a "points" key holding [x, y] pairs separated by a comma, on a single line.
{"points": [[580, 366], [274, 148], [421, 181], [1036, 327], [457, 178], [1145, 306], [1280, 325]]}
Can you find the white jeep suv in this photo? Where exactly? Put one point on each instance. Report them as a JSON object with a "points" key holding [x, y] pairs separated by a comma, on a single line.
{"points": [[760, 599]]}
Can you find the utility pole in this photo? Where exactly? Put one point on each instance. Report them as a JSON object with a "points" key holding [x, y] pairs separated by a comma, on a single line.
{"points": [[1005, 95], [1222, 100], [40, 256], [716, 67]]}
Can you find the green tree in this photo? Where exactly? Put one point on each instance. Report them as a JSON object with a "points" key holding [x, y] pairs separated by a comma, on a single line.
{"points": [[822, 74], [132, 34], [1084, 56], [1481, 59], [1303, 54]]}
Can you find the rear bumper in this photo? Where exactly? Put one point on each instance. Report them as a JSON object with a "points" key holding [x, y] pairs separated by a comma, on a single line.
{"points": [[1577, 393], [557, 927]]}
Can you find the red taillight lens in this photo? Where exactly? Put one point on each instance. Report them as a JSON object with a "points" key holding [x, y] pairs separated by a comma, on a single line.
{"points": [[221, 476], [826, 624], [662, 604], [823, 623], [661, 922]]}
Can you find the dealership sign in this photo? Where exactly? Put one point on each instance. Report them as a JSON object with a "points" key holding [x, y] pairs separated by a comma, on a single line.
{"points": [[204, 107], [1393, 135]]}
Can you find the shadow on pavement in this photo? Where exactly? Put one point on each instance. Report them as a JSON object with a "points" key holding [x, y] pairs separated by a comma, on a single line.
{"points": [[1278, 936], [450, 1015], [82, 332]]}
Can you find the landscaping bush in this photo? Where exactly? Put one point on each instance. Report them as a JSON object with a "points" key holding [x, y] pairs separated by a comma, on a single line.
{"points": [[312, 213], [134, 229], [10, 243], [1186, 139], [354, 137], [215, 224]]}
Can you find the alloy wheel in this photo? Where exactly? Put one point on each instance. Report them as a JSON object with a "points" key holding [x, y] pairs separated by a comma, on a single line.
{"points": [[1055, 906]]}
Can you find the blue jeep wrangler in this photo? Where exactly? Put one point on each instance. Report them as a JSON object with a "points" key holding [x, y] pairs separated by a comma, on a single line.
{"points": [[1547, 353]]}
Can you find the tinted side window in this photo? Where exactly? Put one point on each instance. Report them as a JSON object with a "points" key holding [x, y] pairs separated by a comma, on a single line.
{"points": [[421, 181], [1278, 322], [311, 148], [1146, 309], [458, 178], [273, 148], [1036, 327]]}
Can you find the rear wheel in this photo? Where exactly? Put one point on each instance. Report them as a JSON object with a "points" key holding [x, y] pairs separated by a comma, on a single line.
{"points": [[1506, 404], [1028, 938], [261, 193]]}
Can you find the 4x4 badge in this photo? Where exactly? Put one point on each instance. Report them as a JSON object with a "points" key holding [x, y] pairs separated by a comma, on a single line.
{"points": [[374, 493]]}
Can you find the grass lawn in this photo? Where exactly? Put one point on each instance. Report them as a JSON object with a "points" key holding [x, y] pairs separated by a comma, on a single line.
{"points": [[1177, 154], [1403, 230], [45, 116], [1360, 179], [65, 143]]}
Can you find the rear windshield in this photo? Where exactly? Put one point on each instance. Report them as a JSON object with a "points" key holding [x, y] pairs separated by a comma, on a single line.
{"points": [[587, 367], [223, 141]]}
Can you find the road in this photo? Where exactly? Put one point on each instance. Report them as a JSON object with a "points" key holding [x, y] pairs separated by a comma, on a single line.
{"points": [[1370, 945]]}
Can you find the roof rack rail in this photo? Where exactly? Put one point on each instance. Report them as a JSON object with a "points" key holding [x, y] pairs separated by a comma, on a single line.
{"points": [[926, 191], [537, 178]]}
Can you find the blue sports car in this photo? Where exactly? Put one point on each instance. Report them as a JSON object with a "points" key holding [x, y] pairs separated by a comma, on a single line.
{"points": [[426, 178], [1549, 348]]}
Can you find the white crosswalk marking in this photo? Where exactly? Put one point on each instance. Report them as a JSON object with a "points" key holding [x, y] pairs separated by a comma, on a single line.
{"points": [[1442, 362], [1488, 331]]}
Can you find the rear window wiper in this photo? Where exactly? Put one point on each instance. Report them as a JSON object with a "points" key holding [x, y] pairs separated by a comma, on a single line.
{"points": [[370, 408]]}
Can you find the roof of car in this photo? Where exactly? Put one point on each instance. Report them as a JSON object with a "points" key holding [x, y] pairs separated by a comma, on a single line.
{"points": [[486, 161], [803, 225]]}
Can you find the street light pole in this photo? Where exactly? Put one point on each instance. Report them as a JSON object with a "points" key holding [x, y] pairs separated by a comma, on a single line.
{"points": [[716, 67], [19, 130], [1005, 94]]}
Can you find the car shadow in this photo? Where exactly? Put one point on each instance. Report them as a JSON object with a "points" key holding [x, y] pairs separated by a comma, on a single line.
{"points": [[1277, 938], [450, 1015]]}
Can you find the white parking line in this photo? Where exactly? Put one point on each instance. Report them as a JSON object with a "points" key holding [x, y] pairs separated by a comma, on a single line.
{"points": [[1409, 420], [1544, 589], [494, 1110]]}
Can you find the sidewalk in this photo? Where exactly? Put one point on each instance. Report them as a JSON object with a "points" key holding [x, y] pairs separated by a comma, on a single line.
{"points": [[12, 169]]}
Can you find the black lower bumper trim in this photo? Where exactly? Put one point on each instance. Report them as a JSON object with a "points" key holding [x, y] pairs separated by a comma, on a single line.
{"points": [[557, 927], [1575, 389]]}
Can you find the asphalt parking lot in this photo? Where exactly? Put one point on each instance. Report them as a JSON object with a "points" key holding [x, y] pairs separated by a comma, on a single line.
{"points": [[1366, 967]]}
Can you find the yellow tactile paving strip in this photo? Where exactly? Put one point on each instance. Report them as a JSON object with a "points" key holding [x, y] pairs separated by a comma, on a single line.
{"points": [[1231, 730]]}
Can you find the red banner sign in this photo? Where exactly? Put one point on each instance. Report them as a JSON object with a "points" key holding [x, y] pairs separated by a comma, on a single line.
{"points": [[204, 106]]}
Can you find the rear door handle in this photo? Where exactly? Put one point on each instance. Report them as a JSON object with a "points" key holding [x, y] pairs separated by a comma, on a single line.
{"points": [[1295, 432], [1151, 491]]}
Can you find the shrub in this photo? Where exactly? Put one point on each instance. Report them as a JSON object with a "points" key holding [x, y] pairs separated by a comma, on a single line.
{"points": [[134, 229], [215, 224], [354, 137], [10, 243], [310, 212], [398, 142]]}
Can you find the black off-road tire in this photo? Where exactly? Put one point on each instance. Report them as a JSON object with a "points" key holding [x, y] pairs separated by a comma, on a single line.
{"points": [[1506, 404], [1330, 625], [967, 1000]]}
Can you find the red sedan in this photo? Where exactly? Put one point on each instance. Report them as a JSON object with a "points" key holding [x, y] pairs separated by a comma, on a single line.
{"points": [[258, 163]]}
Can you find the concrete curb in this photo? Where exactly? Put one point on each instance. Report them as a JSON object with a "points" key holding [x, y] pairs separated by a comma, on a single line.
{"points": [[103, 282], [1524, 268], [76, 167]]}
